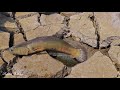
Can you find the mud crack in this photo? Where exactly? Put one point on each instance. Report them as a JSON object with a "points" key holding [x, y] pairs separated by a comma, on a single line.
{"points": [[21, 29], [62, 73], [96, 26]]}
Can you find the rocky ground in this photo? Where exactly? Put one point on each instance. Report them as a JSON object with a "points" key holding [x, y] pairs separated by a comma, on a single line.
{"points": [[97, 32]]}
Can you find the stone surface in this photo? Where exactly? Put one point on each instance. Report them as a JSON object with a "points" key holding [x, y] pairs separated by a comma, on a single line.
{"points": [[50, 25], [109, 24], [115, 43], [29, 23], [42, 66], [114, 53], [7, 56], [98, 66], [4, 40], [18, 38], [8, 24], [43, 31], [51, 19], [1, 62], [82, 27], [22, 14]]}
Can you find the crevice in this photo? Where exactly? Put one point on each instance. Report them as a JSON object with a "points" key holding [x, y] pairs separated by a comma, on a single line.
{"points": [[3, 70], [64, 30], [96, 26], [7, 66], [61, 33], [117, 66], [11, 63], [66, 21], [39, 17], [62, 73], [21, 29], [11, 40], [47, 13]]}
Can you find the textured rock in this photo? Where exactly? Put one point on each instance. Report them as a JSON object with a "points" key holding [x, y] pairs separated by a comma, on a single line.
{"points": [[82, 27], [98, 66], [109, 24], [29, 23], [7, 56], [4, 40], [50, 25], [8, 24], [37, 66], [18, 38], [24, 14], [1, 62], [43, 31], [115, 43], [114, 53], [51, 19]]}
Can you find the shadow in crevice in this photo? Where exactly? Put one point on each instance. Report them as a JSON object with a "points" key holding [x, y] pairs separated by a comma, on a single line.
{"points": [[5, 18]]}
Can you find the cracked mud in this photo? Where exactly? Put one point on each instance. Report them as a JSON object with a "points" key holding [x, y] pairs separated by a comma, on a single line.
{"points": [[97, 32]]}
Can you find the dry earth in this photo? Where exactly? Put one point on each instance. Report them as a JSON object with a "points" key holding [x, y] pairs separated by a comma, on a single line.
{"points": [[97, 32]]}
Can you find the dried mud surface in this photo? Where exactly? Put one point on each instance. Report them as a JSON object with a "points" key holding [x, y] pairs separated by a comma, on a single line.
{"points": [[97, 32]]}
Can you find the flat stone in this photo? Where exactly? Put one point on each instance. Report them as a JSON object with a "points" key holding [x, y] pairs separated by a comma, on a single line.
{"points": [[82, 27], [98, 66], [4, 40], [8, 24], [18, 38], [114, 53], [7, 56], [29, 23], [43, 31], [109, 24], [40, 66], [51, 19]]}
